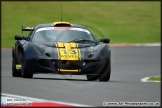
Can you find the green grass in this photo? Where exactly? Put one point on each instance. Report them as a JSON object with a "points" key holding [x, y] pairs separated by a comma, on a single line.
{"points": [[155, 78], [122, 22]]}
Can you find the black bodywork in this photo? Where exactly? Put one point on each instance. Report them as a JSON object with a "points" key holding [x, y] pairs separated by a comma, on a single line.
{"points": [[43, 57]]}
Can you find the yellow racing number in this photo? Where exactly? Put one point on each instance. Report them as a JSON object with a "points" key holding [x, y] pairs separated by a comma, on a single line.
{"points": [[69, 52], [72, 51]]}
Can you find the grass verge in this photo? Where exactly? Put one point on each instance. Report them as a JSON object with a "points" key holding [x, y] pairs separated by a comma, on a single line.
{"points": [[122, 22], [155, 78]]}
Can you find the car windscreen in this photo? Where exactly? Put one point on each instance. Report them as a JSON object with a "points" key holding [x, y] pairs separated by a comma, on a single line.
{"points": [[61, 34]]}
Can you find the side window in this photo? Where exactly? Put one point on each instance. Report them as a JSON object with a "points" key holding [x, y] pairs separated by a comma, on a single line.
{"points": [[30, 35]]}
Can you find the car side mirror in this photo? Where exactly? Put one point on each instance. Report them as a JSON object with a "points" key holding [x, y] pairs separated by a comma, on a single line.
{"points": [[104, 40], [20, 37]]}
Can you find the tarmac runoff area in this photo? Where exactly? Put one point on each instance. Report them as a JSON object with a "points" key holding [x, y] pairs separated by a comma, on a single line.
{"points": [[146, 79]]}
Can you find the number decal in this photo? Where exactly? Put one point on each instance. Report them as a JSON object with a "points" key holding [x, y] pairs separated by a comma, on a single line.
{"points": [[64, 51], [71, 51]]}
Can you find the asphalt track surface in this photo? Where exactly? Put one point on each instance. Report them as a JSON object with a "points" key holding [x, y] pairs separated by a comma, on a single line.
{"points": [[129, 66]]}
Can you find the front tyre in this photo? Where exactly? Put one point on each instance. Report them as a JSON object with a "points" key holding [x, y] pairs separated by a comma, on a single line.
{"points": [[15, 73], [24, 71], [92, 77], [106, 75]]}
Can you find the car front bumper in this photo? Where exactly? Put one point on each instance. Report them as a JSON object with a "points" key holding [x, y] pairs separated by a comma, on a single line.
{"points": [[39, 64]]}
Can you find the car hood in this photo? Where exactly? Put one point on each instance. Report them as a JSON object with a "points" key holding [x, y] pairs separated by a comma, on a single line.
{"points": [[63, 44], [70, 51]]}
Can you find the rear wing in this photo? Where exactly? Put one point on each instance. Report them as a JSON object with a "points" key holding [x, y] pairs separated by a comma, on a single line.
{"points": [[27, 29]]}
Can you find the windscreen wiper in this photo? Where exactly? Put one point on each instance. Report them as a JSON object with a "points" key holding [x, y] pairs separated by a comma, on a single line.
{"points": [[77, 40]]}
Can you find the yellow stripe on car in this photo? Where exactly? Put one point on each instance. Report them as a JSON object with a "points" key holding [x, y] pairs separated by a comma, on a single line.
{"points": [[68, 51], [18, 66], [65, 70]]}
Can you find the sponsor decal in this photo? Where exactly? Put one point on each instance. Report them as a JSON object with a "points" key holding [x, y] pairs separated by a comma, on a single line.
{"points": [[63, 28]]}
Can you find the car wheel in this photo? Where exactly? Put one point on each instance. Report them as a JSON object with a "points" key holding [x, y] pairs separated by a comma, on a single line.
{"points": [[15, 73], [24, 71], [92, 77], [106, 75]]}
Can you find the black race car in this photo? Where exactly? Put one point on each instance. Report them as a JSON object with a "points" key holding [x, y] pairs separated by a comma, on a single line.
{"points": [[61, 48]]}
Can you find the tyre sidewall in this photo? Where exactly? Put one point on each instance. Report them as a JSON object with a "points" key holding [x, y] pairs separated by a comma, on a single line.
{"points": [[92, 77], [106, 74], [24, 72], [15, 73]]}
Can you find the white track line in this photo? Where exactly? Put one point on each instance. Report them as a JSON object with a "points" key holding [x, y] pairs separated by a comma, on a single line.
{"points": [[41, 100], [145, 79]]}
